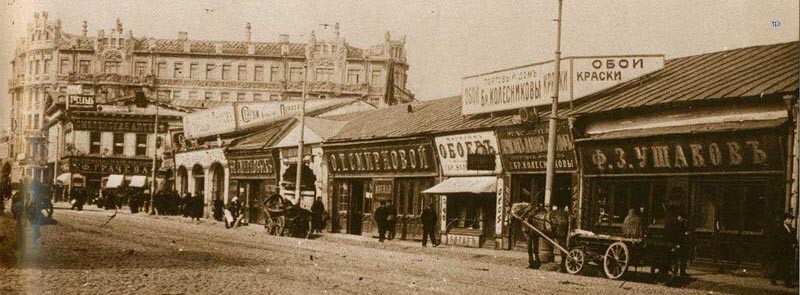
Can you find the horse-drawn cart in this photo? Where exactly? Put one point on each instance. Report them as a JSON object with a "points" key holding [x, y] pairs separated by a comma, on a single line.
{"points": [[286, 219], [615, 254]]}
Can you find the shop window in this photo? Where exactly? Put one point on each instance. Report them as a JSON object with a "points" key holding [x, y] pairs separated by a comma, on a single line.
{"points": [[617, 197], [730, 206], [343, 192], [141, 144], [94, 142], [119, 143]]}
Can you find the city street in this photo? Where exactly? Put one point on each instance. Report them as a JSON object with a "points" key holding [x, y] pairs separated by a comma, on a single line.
{"points": [[171, 255]]}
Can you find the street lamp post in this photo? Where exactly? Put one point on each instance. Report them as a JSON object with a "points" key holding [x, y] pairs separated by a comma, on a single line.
{"points": [[551, 136], [299, 178], [155, 160]]}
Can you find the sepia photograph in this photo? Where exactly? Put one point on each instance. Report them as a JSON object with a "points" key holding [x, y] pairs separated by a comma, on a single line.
{"points": [[399, 147]]}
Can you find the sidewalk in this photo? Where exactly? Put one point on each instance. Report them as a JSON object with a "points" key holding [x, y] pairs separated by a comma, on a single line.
{"points": [[733, 283]]}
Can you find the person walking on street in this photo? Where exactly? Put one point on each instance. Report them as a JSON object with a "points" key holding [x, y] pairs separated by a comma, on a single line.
{"points": [[380, 218], [428, 219], [58, 191], [197, 206], [677, 234], [781, 251], [318, 217], [391, 219], [217, 208]]}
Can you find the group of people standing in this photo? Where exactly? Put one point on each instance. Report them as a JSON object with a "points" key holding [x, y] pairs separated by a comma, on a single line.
{"points": [[386, 219]]}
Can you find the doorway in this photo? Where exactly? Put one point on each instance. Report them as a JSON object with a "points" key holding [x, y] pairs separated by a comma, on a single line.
{"points": [[355, 212]]}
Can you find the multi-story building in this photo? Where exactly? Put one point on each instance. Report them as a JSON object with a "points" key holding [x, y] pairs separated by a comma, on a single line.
{"points": [[190, 73]]}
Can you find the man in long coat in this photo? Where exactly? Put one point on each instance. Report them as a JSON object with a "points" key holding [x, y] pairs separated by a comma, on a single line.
{"points": [[429, 219], [380, 219], [781, 250]]}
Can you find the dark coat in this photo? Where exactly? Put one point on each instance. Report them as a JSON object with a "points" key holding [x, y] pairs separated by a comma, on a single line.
{"points": [[380, 216], [675, 232], [391, 214], [428, 219], [782, 242]]}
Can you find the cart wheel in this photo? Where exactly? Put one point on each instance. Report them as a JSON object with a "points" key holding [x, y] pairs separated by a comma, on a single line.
{"points": [[615, 262], [576, 259]]}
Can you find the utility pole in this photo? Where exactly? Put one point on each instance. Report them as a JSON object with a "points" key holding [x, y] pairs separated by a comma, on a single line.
{"points": [[297, 189], [155, 142], [551, 135]]}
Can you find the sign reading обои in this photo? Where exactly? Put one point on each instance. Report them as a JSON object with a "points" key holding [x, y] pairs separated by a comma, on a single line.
{"points": [[400, 158], [453, 151], [534, 85]]}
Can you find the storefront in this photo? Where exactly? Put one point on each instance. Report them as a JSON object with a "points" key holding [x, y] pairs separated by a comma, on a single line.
{"points": [[727, 178], [252, 180], [523, 150], [364, 174], [204, 171], [468, 197], [93, 170]]}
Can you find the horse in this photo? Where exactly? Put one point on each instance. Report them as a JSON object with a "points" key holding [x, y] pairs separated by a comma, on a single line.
{"points": [[553, 223]]}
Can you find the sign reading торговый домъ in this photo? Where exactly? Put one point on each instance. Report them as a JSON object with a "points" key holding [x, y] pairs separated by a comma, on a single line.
{"points": [[533, 85]]}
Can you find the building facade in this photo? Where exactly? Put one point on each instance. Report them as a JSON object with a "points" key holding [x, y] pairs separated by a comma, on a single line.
{"points": [[115, 63]]}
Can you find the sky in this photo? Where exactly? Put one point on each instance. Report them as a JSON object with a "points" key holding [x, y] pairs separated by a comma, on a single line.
{"points": [[445, 40]]}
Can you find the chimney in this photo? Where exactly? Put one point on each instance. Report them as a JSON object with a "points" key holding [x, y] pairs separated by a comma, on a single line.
{"points": [[183, 36], [85, 30], [284, 38], [247, 33], [336, 32], [284, 44]]}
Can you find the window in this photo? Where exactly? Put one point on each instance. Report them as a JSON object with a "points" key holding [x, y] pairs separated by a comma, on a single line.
{"points": [[258, 74], [176, 94], [161, 70], [30, 68], [240, 96], [615, 198], [94, 142], [241, 75], [225, 96], [38, 67], [324, 74], [226, 72], [731, 206], [83, 66], [119, 144], [376, 78], [111, 67], [193, 71], [296, 74], [141, 144], [192, 94], [140, 68], [46, 66], [274, 97], [209, 71], [274, 74], [256, 96], [344, 196], [353, 76], [178, 71], [163, 95], [36, 121], [209, 95]]}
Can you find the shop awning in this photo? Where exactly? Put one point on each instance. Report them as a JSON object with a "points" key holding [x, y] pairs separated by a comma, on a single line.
{"points": [[114, 180], [455, 185], [64, 178], [138, 181]]}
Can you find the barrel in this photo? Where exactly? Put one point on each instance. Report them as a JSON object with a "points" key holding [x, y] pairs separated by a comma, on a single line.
{"points": [[545, 251]]}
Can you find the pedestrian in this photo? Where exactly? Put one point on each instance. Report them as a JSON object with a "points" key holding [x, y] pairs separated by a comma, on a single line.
{"points": [[197, 206], [318, 215], [78, 195], [5, 193], [217, 207], [186, 204], [783, 241], [391, 219], [58, 191], [380, 219], [235, 209], [632, 226], [677, 234], [429, 218]]}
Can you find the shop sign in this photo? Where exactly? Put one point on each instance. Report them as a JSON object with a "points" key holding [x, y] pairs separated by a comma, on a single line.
{"points": [[729, 152], [252, 113], [252, 167], [80, 101], [209, 122], [534, 85], [472, 241], [455, 150], [524, 149], [291, 152], [202, 157], [383, 189], [400, 158], [117, 126], [89, 165]]}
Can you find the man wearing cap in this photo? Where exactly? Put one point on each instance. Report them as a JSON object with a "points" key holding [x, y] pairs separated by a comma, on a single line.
{"points": [[782, 245]]}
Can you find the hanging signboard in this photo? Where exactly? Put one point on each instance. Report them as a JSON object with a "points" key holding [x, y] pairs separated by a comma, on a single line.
{"points": [[524, 148], [117, 126], [454, 152], [408, 157], [261, 166], [534, 85], [107, 165], [209, 122], [383, 188], [715, 152]]}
